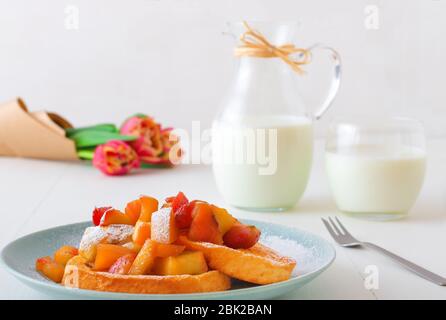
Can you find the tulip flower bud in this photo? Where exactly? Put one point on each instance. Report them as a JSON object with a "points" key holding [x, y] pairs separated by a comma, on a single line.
{"points": [[152, 144], [115, 158]]}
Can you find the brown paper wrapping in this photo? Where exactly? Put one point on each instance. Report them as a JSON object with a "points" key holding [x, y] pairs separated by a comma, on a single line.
{"points": [[33, 134]]}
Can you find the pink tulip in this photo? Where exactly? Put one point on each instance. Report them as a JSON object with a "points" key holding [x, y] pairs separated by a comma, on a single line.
{"points": [[152, 144], [169, 140], [115, 158]]}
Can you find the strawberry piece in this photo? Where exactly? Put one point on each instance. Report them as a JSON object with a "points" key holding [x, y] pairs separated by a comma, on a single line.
{"points": [[169, 200], [98, 213], [241, 236], [183, 216], [123, 264], [179, 201]]}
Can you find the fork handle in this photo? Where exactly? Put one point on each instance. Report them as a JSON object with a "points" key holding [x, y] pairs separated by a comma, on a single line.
{"points": [[426, 274]]}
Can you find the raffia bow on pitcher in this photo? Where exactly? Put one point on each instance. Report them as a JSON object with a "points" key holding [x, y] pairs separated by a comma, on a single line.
{"points": [[254, 44]]}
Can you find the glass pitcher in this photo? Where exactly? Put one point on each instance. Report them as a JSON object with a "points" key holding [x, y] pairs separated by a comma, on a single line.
{"points": [[262, 139]]}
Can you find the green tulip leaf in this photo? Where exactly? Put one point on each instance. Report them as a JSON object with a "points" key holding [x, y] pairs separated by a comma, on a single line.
{"points": [[106, 127], [89, 138], [86, 154], [155, 166]]}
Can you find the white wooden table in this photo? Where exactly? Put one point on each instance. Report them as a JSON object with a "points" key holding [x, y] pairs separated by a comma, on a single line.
{"points": [[40, 194]]}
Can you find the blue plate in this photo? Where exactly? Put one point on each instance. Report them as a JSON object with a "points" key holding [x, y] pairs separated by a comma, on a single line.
{"points": [[313, 255]]}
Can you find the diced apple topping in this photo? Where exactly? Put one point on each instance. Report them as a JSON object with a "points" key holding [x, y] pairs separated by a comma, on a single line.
{"points": [[133, 210], [144, 260], [50, 268], [224, 220], [204, 227], [188, 262], [141, 209], [113, 216], [148, 206], [107, 254], [132, 246], [167, 250], [65, 253], [142, 232]]}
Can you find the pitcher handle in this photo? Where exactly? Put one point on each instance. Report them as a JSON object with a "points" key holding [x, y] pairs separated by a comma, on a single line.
{"points": [[335, 82]]}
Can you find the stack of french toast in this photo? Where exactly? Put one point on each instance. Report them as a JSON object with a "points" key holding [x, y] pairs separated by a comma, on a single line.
{"points": [[181, 246]]}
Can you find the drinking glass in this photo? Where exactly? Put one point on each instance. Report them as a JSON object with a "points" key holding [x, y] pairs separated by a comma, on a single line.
{"points": [[375, 166]]}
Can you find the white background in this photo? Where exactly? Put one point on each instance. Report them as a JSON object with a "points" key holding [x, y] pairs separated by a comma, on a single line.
{"points": [[169, 58]]}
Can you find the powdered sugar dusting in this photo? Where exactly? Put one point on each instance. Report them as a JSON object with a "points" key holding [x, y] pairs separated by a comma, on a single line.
{"points": [[305, 257], [115, 233], [161, 225]]}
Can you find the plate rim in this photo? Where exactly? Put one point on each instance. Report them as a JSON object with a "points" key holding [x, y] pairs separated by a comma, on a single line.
{"points": [[203, 295]]}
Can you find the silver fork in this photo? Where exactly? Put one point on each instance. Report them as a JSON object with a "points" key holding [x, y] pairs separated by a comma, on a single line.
{"points": [[345, 239]]}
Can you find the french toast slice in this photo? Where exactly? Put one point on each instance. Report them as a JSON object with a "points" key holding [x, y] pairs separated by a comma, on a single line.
{"points": [[258, 264], [79, 275]]}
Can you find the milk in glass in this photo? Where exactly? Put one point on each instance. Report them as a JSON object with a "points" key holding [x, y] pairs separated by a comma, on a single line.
{"points": [[376, 179]]}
